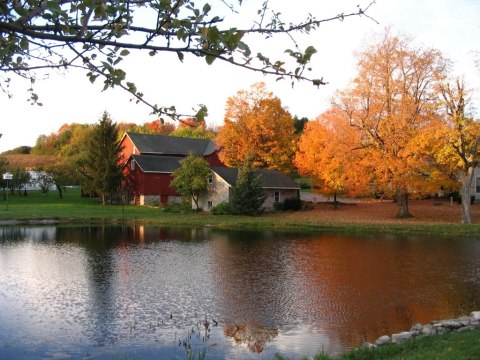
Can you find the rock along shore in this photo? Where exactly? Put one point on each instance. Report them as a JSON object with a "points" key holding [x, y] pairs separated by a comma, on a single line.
{"points": [[463, 323]]}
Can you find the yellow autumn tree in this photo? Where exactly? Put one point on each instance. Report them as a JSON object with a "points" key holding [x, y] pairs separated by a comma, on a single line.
{"points": [[256, 123], [459, 140], [391, 102]]}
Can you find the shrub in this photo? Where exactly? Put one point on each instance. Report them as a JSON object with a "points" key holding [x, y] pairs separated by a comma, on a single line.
{"points": [[278, 206], [221, 209], [294, 204], [178, 208]]}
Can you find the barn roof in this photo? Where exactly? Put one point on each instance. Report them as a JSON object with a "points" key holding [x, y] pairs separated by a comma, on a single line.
{"points": [[153, 163], [170, 145], [270, 179]]}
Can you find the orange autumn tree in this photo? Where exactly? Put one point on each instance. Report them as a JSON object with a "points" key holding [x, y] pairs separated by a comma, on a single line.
{"points": [[391, 102], [256, 123], [325, 155]]}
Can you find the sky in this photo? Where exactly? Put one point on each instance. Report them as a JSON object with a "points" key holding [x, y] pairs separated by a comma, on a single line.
{"points": [[451, 26]]}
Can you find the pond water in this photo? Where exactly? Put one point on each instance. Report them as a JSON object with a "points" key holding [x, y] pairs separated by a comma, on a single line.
{"points": [[158, 293]]}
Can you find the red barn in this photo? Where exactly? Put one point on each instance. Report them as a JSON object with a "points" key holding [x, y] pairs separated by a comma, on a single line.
{"points": [[150, 160]]}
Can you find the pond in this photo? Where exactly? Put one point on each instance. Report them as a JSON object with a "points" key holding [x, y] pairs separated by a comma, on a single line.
{"points": [[158, 293]]}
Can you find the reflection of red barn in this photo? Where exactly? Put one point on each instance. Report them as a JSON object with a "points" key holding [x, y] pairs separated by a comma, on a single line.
{"points": [[150, 160]]}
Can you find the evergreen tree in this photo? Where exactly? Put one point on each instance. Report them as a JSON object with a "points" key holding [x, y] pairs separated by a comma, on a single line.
{"points": [[100, 172], [248, 195]]}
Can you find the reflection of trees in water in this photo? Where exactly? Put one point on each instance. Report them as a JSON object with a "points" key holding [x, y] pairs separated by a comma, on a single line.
{"points": [[23, 233], [351, 288], [251, 272], [111, 236], [370, 286], [255, 337]]}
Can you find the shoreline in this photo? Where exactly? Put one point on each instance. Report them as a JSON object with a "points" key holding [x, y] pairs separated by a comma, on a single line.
{"points": [[269, 222], [436, 327]]}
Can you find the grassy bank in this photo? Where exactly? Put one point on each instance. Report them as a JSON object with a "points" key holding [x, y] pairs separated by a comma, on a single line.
{"points": [[73, 208], [460, 346]]}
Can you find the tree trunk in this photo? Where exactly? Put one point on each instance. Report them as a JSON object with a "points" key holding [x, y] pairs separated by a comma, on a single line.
{"points": [[195, 200], [104, 199], [402, 202], [59, 188], [335, 200], [466, 193]]}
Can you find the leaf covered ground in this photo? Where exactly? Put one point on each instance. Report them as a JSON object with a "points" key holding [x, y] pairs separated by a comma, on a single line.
{"points": [[431, 211]]}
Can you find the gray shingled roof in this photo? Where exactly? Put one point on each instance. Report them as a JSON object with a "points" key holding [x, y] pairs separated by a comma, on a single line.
{"points": [[170, 145], [154, 163], [270, 179]]}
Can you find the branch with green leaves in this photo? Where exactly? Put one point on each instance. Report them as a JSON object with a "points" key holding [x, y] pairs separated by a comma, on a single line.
{"points": [[97, 35]]}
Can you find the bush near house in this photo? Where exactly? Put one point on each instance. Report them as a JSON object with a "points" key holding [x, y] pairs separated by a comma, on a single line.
{"points": [[221, 209], [288, 204]]}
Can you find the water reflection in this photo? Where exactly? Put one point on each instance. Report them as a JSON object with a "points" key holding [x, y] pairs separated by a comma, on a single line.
{"points": [[255, 337], [105, 291]]}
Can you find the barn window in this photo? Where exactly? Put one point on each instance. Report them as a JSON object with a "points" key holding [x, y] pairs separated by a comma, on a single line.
{"points": [[209, 203], [210, 179], [478, 184], [276, 196]]}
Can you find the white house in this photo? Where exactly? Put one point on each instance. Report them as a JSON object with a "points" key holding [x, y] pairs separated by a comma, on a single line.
{"points": [[476, 184], [278, 187]]}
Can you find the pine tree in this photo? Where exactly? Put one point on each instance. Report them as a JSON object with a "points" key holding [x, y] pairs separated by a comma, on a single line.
{"points": [[248, 195], [100, 171]]}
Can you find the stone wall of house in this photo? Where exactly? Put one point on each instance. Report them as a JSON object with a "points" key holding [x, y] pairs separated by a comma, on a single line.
{"points": [[155, 200], [218, 192], [284, 194], [149, 199]]}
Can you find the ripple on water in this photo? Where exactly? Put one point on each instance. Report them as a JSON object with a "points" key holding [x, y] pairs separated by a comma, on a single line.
{"points": [[81, 294]]}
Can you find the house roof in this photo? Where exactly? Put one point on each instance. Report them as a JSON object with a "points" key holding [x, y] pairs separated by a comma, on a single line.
{"points": [[154, 163], [170, 145], [270, 179]]}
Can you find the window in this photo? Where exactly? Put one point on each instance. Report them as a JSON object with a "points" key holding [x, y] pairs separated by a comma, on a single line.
{"points": [[210, 179], [478, 184], [132, 165], [209, 203], [276, 196]]}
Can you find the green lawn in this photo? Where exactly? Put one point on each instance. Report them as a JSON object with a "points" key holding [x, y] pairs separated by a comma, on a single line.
{"points": [[459, 346], [75, 209]]}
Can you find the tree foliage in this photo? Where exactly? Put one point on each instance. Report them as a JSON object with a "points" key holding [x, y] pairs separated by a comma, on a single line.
{"points": [[21, 178], [68, 141], [20, 150], [98, 35], [99, 170], [3, 170], [325, 155], [459, 140], [194, 128], [393, 99], [44, 180], [299, 124], [190, 179], [247, 196], [62, 174], [257, 124]]}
